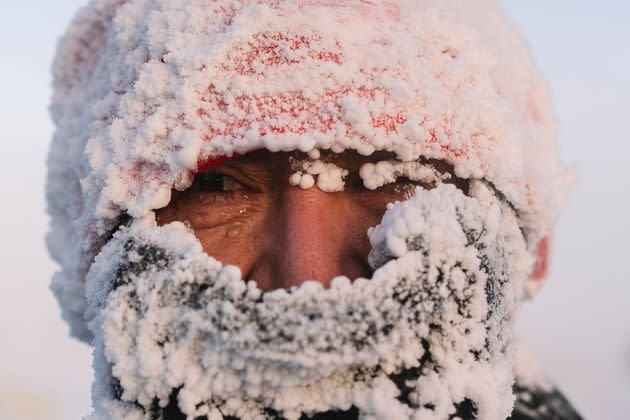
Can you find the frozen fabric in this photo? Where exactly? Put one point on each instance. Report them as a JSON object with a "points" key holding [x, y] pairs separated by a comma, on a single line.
{"points": [[449, 273]]}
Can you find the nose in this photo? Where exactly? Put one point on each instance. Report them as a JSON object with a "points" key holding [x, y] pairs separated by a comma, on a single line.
{"points": [[315, 237]]}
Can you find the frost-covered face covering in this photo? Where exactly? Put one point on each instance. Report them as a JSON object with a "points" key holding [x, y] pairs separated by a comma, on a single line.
{"points": [[427, 335]]}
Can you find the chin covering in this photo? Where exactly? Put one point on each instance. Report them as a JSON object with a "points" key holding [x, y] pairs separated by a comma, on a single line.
{"points": [[427, 336], [149, 92]]}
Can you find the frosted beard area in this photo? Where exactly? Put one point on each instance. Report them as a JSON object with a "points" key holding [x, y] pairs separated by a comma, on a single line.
{"points": [[427, 336]]}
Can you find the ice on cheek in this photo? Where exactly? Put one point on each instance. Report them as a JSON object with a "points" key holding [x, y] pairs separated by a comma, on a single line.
{"points": [[168, 317]]}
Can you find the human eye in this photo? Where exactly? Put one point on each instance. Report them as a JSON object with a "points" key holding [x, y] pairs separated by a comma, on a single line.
{"points": [[397, 184], [392, 174], [216, 182], [400, 189], [219, 189], [404, 187], [382, 182], [215, 198]]}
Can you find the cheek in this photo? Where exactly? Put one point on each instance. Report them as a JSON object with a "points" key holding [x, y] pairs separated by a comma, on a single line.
{"points": [[230, 231], [235, 243]]}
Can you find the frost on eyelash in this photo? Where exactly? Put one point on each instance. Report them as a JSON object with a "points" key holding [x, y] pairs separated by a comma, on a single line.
{"points": [[375, 175], [330, 177], [438, 311]]}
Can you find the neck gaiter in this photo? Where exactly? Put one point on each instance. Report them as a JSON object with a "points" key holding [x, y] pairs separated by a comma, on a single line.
{"points": [[427, 336]]}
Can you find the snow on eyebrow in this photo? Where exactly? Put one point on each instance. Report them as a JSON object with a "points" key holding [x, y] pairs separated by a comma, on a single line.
{"points": [[330, 177], [375, 175], [145, 90]]}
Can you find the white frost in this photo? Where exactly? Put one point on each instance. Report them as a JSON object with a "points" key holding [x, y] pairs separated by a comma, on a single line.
{"points": [[174, 317], [145, 90], [375, 175], [330, 177]]}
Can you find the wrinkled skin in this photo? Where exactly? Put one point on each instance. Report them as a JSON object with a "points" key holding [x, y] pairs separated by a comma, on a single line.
{"points": [[246, 213]]}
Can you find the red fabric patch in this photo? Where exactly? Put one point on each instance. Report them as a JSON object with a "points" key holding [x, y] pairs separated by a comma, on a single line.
{"points": [[206, 165]]}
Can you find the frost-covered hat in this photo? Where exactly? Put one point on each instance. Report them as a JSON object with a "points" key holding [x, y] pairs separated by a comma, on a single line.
{"points": [[146, 91]]}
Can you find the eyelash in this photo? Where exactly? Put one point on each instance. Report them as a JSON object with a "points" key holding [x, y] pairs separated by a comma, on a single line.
{"points": [[356, 182], [215, 183]]}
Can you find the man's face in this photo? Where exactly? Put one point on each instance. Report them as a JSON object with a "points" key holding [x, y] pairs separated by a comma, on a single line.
{"points": [[442, 273], [247, 213]]}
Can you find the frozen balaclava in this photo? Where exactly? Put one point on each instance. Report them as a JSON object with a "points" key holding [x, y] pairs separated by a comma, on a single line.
{"points": [[150, 92]]}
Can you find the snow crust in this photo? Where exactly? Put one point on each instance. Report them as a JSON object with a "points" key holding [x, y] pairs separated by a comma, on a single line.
{"points": [[330, 177], [448, 276], [145, 90], [375, 175]]}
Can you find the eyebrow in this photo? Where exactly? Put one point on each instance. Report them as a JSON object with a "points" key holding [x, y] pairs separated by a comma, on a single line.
{"points": [[253, 170], [256, 165], [347, 160]]}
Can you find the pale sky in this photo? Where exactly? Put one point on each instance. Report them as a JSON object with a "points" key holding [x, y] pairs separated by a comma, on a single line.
{"points": [[579, 326]]}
